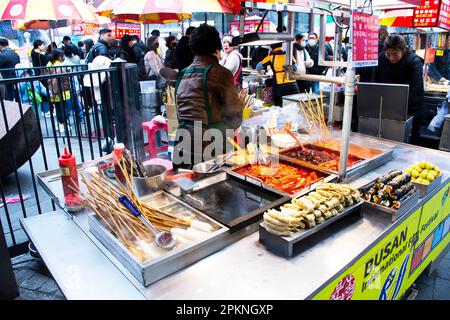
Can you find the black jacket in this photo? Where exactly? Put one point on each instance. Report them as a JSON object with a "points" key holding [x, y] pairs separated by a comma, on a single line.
{"points": [[183, 53], [314, 54], [101, 48], [440, 68], [170, 61], [128, 55], [408, 71], [38, 59], [8, 59]]}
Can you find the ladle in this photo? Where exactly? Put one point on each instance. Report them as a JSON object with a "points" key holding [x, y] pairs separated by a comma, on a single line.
{"points": [[164, 239]]}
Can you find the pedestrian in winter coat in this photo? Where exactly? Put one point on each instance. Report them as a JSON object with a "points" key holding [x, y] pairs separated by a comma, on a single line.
{"points": [[126, 49], [313, 49], [302, 60], [153, 62], [232, 60], [440, 68], [8, 60], [398, 64], [171, 61], [183, 53], [102, 47]]}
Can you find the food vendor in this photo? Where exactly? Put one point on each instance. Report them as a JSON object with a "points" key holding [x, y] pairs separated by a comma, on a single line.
{"points": [[282, 86], [440, 68], [206, 99], [398, 64]]}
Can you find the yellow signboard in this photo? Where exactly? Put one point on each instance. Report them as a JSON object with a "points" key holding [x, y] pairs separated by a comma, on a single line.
{"points": [[388, 269]]}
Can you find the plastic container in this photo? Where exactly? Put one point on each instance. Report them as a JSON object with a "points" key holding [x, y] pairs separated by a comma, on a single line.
{"points": [[283, 140], [147, 86]]}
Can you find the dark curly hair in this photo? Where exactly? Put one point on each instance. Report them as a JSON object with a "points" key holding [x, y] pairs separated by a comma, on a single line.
{"points": [[205, 40]]}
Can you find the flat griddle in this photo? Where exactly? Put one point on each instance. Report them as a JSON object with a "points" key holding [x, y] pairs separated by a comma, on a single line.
{"points": [[230, 201]]}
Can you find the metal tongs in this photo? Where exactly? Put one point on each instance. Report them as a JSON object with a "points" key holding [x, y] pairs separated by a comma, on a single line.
{"points": [[261, 157], [221, 162]]}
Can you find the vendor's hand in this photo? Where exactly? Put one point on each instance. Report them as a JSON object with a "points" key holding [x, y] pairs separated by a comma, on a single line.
{"points": [[443, 80]]}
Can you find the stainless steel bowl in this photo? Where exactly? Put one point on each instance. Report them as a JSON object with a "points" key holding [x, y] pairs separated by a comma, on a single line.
{"points": [[155, 181]]}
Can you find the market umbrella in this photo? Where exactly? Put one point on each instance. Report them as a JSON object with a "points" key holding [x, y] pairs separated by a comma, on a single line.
{"points": [[108, 9], [51, 10], [398, 18], [164, 10]]}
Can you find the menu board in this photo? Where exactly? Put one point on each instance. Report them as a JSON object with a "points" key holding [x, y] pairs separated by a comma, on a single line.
{"points": [[432, 13], [365, 39], [444, 15], [120, 29], [250, 26]]}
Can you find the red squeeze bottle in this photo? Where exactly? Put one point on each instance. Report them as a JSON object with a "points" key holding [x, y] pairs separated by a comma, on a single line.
{"points": [[117, 155], [69, 174]]}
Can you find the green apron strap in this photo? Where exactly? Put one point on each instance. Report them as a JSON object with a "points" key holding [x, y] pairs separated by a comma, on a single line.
{"points": [[204, 71], [205, 93]]}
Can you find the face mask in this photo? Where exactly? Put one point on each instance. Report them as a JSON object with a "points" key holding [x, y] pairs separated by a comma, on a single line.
{"points": [[303, 44], [312, 43]]}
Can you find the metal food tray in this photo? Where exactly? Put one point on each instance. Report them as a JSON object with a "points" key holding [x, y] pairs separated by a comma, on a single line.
{"points": [[285, 245], [405, 206], [258, 182], [176, 259], [356, 170], [427, 189]]}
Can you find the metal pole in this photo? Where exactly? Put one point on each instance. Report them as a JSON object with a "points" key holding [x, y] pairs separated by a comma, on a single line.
{"points": [[348, 104]]}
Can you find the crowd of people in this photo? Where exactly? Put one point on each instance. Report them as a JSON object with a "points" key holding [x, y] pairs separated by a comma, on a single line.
{"points": [[202, 54]]}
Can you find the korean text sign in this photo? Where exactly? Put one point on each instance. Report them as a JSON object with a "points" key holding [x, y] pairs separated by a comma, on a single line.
{"points": [[365, 39]]}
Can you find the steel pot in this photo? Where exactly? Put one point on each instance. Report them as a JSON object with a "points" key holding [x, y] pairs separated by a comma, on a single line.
{"points": [[155, 180]]}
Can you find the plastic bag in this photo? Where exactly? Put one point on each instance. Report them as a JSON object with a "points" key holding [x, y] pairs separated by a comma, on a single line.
{"points": [[438, 121], [277, 118]]}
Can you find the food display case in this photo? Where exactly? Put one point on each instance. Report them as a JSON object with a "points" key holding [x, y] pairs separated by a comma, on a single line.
{"points": [[283, 177], [145, 260]]}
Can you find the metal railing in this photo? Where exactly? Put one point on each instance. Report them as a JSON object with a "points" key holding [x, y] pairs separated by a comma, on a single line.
{"points": [[84, 110]]}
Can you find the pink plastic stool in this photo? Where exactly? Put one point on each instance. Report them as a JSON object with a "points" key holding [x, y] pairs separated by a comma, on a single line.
{"points": [[151, 128]]}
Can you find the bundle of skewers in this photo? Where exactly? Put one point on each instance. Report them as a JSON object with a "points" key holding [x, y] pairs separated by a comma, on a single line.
{"points": [[246, 99], [314, 115], [102, 197]]}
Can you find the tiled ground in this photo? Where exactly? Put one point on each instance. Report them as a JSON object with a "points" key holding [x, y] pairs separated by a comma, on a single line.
{"points": [[35, 282]]}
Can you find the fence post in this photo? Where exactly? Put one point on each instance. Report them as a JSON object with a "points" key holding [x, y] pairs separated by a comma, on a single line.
{"points": [[8, 287], [129, 118]]}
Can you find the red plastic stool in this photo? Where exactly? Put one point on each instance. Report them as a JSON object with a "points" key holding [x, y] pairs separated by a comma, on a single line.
{"points": [[151, 128]]}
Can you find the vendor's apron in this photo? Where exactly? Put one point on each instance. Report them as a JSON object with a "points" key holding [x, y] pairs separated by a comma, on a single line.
{"points": [[189, 124]]}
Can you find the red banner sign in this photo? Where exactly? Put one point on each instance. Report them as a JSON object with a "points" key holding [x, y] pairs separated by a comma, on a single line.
{"points": [[430, 54], [444, 15], [250, 26], [119, 29], [365, 39], [432, 13]]}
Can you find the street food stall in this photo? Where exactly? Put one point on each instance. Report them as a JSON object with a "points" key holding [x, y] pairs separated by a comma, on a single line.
{"points": [[332, 215]]}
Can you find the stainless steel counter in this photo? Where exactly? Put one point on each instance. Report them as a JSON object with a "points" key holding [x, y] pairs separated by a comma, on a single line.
{"points": [[245, 269]]}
